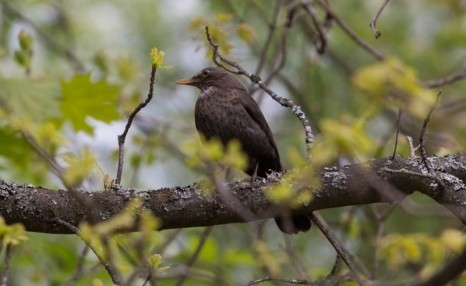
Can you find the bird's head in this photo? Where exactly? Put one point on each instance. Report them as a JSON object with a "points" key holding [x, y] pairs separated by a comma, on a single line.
{"points": [[211, 77]]}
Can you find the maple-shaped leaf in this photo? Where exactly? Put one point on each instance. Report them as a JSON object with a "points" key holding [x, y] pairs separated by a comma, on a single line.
{"points": [[82, 97]]}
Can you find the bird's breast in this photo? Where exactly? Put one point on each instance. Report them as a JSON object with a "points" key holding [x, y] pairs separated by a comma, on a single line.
{"points": [[218, 117]]}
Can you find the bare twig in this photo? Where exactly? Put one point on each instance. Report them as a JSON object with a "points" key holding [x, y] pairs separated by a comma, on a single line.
{"points": [[412, 149], [339, 248], [219, 60], [380, 219], [281, 53], [140, 263], [431, 176], [6, 269], [282, 50], [422, 136], [289, 281], [457, 76], [54, 166], [334, 269], [397, 133], [111, 269], [193, 258], [373, 23], [268, 41], [122, 137], [422, 150], [321, 45], [350, 32]]}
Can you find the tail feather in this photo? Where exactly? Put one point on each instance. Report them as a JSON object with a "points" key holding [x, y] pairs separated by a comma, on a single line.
{"points": [[294, 224]]}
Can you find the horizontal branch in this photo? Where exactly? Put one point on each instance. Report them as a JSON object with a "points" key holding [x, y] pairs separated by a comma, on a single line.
{"points": [[41, 210]]}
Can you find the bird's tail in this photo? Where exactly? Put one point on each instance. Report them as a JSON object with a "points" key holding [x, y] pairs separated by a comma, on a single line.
{"points": [[294, 224]]}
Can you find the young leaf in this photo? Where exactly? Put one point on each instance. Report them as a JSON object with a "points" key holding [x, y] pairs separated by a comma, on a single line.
{"points": [[79, 167], [246, 32], [82, 98]]}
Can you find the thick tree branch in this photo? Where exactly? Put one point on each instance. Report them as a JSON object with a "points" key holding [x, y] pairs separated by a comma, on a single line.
{"points": [[39, 209]]}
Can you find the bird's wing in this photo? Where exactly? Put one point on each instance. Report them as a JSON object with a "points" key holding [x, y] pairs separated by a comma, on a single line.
{"points": [[253, 110]]}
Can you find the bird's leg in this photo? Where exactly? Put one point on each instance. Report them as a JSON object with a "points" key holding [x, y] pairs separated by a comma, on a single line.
{"points": [[254, 175]]}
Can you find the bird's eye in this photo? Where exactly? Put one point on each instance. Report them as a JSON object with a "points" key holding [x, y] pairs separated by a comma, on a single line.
{"points": [[205, 72]]}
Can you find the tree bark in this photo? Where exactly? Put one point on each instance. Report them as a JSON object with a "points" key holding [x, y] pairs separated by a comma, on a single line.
{"points": [[41, 210]]}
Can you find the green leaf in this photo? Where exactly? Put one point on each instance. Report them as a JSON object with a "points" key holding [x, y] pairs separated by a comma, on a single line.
{"points": [[224, 17], [15, 148], [36, 99], [25, 40], [246, 33], [79, 167], [82, 98], [158, 59], [12, 234], [393, 83], [154, 260]]}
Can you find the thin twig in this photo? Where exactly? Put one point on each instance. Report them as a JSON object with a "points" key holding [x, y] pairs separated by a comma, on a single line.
{"points": [[54, 166], [271, 31], [350, 32], [282, 50], [6, 270], [193, 258], [289, 281], [380, 220], [321, 45], [397, 133], [309, 137], [422, 140], [412, 173], [457, 76], [422, 136], [373, 23], [334, 269], [134, 262], [281, 54], [337, 245], [111, 269], [122, 137], [412, 149]]}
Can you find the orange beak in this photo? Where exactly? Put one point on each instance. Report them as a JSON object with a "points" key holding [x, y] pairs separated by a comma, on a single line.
{"points": [[188, 81]]}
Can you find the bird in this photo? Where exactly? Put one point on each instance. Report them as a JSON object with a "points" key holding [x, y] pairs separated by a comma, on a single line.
{"points": [[226, 111]]}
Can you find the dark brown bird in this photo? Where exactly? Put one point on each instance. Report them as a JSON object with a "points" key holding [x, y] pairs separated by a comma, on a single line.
{"points": [[226, 111]]}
